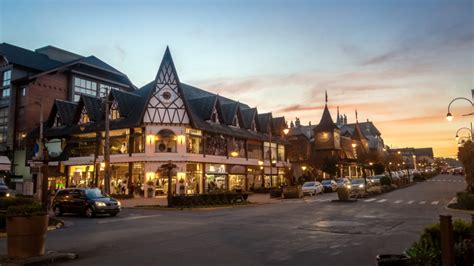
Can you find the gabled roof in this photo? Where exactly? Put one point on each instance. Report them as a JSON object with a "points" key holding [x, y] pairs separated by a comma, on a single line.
{"points": [[93, 106], [279, 124], [265, 121], [368, 128], [203, 107], [249, 115], [26, 58], [94, 61], [229, 110], [65, 110], [357, 135], [326, 123], [126, 101]]}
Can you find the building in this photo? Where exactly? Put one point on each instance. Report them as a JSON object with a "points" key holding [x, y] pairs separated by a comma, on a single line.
{"points": [[347, 144], [216, 143], [31, 82], [414, 157]]}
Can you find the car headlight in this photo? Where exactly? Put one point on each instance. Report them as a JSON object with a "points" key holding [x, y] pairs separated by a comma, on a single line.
{"points": [[361, 185], [119, 204], [348, 186], [100, 204], [7, 195]]}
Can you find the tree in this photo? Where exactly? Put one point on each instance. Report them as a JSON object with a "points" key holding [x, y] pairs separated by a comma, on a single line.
{"points": [[466, 156]]}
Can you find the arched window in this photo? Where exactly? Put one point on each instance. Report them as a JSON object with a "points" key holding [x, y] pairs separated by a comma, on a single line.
{"points": [[165, 141]]}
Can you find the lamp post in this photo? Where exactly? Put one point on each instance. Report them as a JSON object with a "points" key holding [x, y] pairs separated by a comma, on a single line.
{"points": [[449, 116], [107, 150], [471, 132], [169, 168], [285, 131]]}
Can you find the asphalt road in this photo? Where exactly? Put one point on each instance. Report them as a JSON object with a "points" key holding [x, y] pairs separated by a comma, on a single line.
{"points": [[309, 231]]}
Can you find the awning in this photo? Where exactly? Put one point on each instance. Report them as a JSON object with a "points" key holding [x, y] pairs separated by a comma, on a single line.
{"points": [[5, 164]]}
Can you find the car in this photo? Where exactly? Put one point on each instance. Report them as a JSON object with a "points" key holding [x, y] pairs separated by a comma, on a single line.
{"points": [[312, 188], [342, 182], [375, 180], [85, 201], [357, 185], [329, 185], [458, 171], [5, 191]]}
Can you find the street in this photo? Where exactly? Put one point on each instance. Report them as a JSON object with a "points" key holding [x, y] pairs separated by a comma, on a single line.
{"points": [[308, 231]]}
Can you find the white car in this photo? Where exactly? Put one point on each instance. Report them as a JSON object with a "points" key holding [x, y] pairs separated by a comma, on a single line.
{"points": [[312, 188]]}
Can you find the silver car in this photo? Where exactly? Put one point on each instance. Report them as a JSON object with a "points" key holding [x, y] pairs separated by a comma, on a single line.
{"points": [[312, 188]]}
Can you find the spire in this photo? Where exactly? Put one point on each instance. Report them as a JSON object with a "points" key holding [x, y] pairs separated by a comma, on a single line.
{"points": [[338, 120], [326, 97], [357, 118]]}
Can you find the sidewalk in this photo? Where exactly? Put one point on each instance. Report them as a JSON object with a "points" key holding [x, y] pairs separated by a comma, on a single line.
{"points": [[259, 198]]}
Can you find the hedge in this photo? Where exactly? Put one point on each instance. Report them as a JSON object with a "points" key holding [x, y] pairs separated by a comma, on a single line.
{"points": [[16, 201], [466, 200], [209, 199]]}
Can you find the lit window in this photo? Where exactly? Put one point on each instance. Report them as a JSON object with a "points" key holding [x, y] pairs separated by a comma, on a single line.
{"points": [[165, 141], [114, 111], [6, 93], [84, 117], [23, 91]]}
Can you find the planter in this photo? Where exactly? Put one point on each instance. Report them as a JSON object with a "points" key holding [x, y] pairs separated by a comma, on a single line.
{"points": [[392, 260], [26, 235], [292, 192], [343, 194], [276, 193]]}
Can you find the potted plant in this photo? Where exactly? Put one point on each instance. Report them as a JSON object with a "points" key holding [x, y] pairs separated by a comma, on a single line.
{"points": [[343, 193], [26, 230], [150, 190]]}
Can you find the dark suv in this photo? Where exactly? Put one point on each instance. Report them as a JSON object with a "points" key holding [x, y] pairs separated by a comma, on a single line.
{"points": [[86, 201]]}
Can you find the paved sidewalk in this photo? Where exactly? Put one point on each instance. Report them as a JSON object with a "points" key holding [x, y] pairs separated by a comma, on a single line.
{"points": [[259, 198]]}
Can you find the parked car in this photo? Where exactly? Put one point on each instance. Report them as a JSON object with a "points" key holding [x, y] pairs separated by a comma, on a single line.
{"points": [[375, 180], [329, 185], [312, 188], [86, 201], [5, 191], [357, 185], [458, 171], [342, 182]]}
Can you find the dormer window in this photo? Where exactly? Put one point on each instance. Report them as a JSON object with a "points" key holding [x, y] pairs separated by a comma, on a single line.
{"points": [[57, 121], [84, 119], [114, 111], [235, 122], [253, 127], [215, 116]]}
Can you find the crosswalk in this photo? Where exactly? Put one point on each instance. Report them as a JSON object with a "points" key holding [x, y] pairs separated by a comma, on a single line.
{"points": [[371, 200], [445, 180]]}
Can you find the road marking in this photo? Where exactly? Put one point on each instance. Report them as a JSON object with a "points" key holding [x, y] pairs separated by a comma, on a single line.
{"points": [[434, 203], [422, 202], [369, 200], [382, 200], [398, 201], [128, 218], [410, 201]]}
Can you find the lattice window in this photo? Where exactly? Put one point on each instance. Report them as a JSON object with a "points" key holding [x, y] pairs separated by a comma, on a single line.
{"points": [[84, 119], [114, 111], [57, 121], [235, 122], [215, 116]]}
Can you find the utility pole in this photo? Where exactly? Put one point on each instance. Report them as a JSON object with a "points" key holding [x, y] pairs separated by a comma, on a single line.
{"points": [[107, 150]]}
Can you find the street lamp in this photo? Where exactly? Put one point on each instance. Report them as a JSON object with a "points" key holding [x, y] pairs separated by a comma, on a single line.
{"points": [[465, 128], [449, 116], [303, 168]]}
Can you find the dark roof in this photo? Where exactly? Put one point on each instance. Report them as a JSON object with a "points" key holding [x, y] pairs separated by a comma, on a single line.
{"points": [[358, 135], [279, 124], [265, 121], [368, 128], [26, 58], [126, 101], [326, 123], [248, 115], [229, 111], [94, 61], [66, 111], [424, 152], [203, 107]]}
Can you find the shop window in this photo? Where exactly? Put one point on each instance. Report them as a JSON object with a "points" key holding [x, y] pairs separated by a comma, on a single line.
{"points": [[237, 148], [138, 140], [194, 141], [165, 141], [119, 141], [281, 152]]}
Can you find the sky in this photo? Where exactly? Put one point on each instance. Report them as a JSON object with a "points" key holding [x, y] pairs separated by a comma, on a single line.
{"points": [[399, 63]]}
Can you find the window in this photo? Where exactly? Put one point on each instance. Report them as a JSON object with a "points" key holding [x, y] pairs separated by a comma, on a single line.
{"points": [[23, 91], [114, 111], [237, 148], [57, 121], [253, 127], [7, 77], [138, 140], [84, 119], [91, 88], [215, 116], [4, 115], [3, 136], [216, 145], [235, 121], [6, 93], [267, 151], [165, 141], [194, 141], [254, 149], [104, 90], [281, 152]]}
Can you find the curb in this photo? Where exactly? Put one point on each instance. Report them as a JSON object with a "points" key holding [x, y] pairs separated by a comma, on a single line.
{"points": [[455, 200], [49, 258]]}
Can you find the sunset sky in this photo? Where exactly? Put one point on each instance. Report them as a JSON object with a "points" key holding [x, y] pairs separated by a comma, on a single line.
{"points": [[399, 63]]}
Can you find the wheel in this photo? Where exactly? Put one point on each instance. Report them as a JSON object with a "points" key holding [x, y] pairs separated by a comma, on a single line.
{"points": [[57, 211], [113, 214], [89, 212]]}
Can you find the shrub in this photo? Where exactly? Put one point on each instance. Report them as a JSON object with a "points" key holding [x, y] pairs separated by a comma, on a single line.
{"points": [[25, 210], [427, 250], [385, 181], [374, 190], [418, 177], [7, 202], [466, 200]]}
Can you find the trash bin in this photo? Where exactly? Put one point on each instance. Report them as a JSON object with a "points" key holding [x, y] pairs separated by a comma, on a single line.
{"points": [[392, 260]]}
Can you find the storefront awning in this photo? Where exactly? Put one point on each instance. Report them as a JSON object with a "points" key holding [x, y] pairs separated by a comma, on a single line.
{"points": [[5, 164]]}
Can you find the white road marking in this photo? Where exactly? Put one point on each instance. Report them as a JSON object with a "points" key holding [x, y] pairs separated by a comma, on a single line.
{"points": [[382, 200], [434, 203], [398, 201], [422, 202], [369, 200], [410, 201], [128, 218]]}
